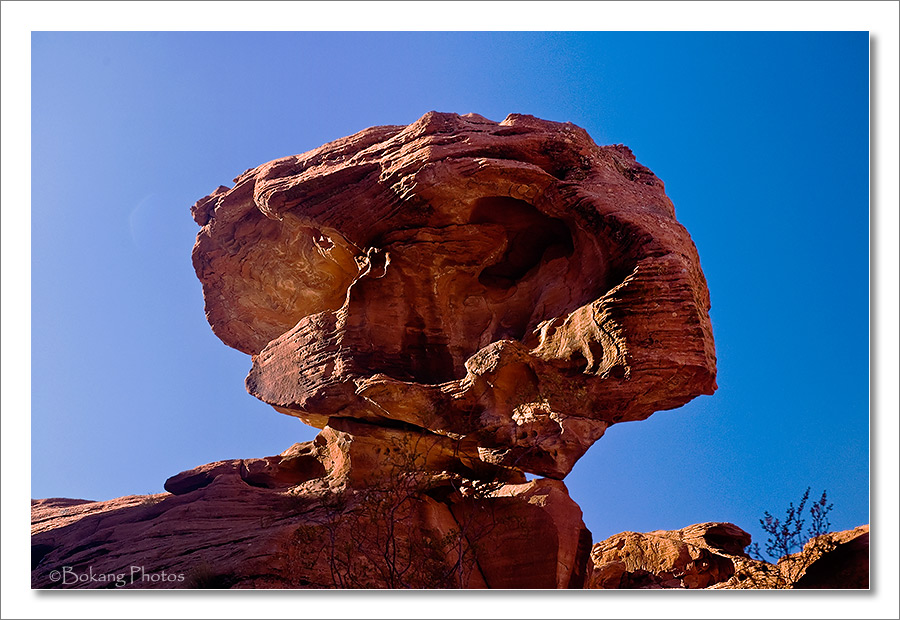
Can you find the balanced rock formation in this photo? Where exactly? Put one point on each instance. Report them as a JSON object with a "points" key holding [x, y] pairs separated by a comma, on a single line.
{"points": [[511, 286], [454, 304]]}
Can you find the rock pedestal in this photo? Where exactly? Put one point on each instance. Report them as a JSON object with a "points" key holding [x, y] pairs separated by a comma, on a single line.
{"points": [[342, 511]]}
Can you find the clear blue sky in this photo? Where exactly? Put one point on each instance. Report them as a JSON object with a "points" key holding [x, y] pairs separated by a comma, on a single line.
{"points": [[761, 140]]}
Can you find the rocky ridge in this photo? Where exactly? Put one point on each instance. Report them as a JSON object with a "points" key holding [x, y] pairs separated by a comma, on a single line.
{"points": [[713, 556], [316, 516]]}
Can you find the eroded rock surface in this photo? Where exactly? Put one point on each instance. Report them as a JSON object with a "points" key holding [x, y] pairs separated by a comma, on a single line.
{"points": [[834, 561], [711, 555], [511, 286], [327, 513], [697, 556]]}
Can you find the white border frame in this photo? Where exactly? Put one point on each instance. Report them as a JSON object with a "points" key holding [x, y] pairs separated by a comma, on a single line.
{"points": [[20, 18]]}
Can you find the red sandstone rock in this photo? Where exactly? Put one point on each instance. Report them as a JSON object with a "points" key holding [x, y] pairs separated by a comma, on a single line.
{"points": [[322, 514], [511, 286], [711, 555], [697, 556], [838, 560]]}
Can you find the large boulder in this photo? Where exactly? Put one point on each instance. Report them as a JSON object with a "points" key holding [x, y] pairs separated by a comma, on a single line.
{"points": [[512, 286]]}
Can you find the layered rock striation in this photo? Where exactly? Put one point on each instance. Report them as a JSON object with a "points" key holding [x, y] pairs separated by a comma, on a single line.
{"points": [[511, 286]]}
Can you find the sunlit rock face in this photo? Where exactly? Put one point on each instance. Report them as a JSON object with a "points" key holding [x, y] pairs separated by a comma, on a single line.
{"points": [[510, 286]]}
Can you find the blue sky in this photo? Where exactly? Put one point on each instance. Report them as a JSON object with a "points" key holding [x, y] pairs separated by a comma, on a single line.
{"points": [[760, 138]]}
